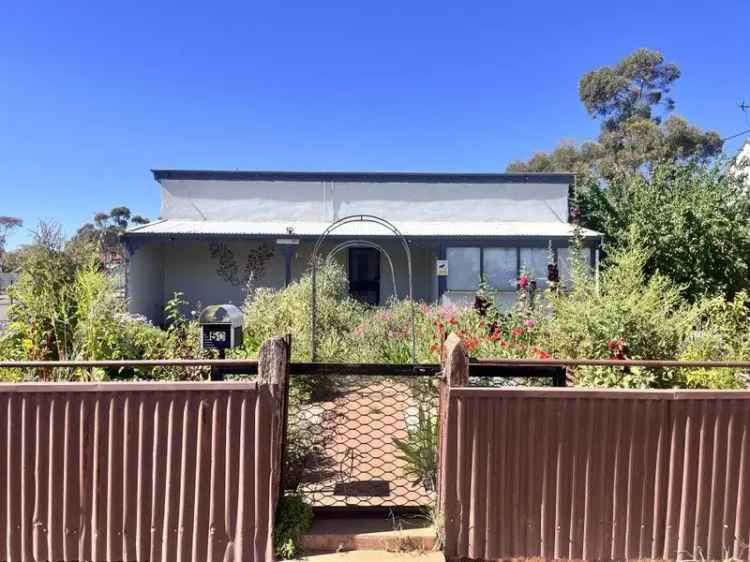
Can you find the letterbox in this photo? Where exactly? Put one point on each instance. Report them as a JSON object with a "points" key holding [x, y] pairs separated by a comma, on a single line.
{"points": [[221, 326]]}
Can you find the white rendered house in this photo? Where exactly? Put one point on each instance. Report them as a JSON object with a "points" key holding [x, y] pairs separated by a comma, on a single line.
{"points": [[217, 229]]}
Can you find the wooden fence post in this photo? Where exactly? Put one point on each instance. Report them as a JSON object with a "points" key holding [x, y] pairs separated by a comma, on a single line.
{"points": [[273, 370], [455, 364]]}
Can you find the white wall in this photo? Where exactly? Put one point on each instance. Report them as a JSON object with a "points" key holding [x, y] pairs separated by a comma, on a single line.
{"points": [[158, 270], [145, 281], [270, 201]]}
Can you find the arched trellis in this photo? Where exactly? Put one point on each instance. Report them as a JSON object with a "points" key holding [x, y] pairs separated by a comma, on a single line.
{"points": [[316, 249], [365, 244]]}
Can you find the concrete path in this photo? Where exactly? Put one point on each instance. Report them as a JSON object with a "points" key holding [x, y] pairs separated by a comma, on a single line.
{"points": [[337, 535]]}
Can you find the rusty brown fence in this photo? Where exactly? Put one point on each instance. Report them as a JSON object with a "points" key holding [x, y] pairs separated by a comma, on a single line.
{"points": [[594, 475], [142, 470]]}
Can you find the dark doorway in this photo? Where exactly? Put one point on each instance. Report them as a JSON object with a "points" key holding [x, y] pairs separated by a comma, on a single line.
{"points": [[364, 275]]}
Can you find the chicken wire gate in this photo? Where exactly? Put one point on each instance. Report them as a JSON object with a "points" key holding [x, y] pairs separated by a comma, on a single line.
{"points": [[343, 423]]}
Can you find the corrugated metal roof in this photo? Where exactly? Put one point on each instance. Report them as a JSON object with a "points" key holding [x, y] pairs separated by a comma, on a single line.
{"points": [[178, 227]]}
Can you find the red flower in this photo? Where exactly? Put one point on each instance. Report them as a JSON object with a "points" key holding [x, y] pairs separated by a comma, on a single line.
{"points": [[471, 343], [516, 332], [496, 335], [618, 348], [523, 281], [540, 353], [434, 348]]}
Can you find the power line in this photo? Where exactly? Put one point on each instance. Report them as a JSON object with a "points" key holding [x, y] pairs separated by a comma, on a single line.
{"points": [[737, 135]]}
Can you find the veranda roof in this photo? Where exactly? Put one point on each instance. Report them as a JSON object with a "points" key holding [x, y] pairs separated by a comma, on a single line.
{"points": [[178, 228]]}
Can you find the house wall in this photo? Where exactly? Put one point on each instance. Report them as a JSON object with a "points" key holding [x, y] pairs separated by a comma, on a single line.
{"points": [[145, 281], [158, 270], [316, 201]]}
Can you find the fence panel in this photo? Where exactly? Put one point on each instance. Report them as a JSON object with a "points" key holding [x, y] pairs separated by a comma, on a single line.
{"points": [[138, 471], [596, 475]]}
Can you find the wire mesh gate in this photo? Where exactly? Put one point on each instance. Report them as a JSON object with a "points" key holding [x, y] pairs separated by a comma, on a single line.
{"points": [[364, 437], [363, 441]]}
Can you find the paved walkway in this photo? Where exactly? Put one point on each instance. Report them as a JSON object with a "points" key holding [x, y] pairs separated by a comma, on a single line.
{"points": [[397, 535]]}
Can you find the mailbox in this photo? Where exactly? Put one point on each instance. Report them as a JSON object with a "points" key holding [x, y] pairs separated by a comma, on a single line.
{"points": [[221, 326]]}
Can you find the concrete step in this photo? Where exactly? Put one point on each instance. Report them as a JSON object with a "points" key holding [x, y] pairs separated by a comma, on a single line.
{"points": [[377, 556], [371, 534]]}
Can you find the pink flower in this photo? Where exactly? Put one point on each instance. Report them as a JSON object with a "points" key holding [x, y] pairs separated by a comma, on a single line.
{"points": [[529, 323], [523, 281], [385, 316]]}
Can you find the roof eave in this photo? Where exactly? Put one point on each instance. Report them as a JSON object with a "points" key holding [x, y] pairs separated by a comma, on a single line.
{"points": [[373, 177]]}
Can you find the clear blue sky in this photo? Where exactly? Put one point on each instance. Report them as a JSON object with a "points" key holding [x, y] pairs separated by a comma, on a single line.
{"points": [[93, 95]]}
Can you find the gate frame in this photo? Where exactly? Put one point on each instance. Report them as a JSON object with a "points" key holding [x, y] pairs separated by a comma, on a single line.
{"points": [[404, 243]]}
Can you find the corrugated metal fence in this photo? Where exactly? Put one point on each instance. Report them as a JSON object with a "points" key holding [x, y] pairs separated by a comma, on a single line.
{"points": [[576, 474], [138, 471]]}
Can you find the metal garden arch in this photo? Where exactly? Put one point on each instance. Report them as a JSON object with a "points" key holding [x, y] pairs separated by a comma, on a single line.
{"points": [[365, 244], [331, 228]]}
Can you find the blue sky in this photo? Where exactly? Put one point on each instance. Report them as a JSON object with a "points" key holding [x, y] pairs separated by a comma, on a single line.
{"points": [[94, 95]]}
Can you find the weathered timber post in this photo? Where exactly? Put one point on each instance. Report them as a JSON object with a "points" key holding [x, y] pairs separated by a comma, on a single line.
{"points": [[273, 370], [455, 365]]}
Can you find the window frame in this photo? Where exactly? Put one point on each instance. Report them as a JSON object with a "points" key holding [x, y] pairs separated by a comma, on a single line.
{"points": [[482, 246]]}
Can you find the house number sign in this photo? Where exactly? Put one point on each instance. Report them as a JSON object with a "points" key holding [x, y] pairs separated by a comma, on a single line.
{"points": [[442, 268]]}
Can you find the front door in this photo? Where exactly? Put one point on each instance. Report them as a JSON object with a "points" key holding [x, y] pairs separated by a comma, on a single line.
{"points": [[364, 275]]}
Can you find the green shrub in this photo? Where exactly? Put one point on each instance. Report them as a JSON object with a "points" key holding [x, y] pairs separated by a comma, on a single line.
{"points": [[293, 519], [419, 450], [720, 334], [270, 312], [632, 315], [65, 308]]}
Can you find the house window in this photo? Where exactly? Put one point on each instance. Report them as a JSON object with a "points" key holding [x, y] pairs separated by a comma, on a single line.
{"points": [[500, 268], [563, 262], [534, 262], [463, 268]]}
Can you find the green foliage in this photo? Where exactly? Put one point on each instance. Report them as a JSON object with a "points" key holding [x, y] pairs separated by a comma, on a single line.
{"points": [[636, 315], [104, 233], [720, 334], [65, 308], [635, 86], [270, 312], [6, 225], [419, 450], [632, 98], [693, 220], [293, 519]]}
